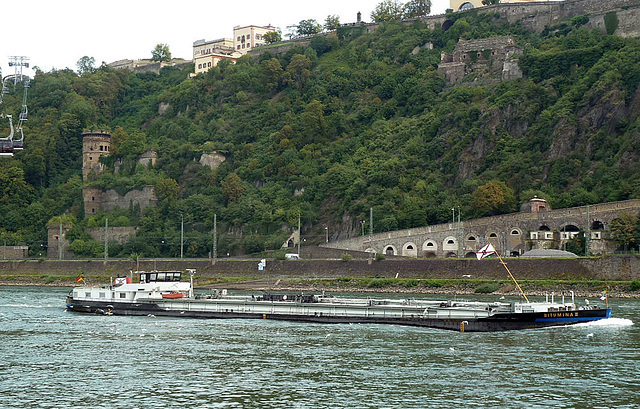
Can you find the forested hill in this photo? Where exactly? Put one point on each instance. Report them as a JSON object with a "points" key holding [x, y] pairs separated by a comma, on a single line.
{"points": [[355, 121]]}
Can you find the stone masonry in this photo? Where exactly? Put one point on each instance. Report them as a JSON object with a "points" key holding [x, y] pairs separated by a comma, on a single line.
{"points": [[536, 226]]}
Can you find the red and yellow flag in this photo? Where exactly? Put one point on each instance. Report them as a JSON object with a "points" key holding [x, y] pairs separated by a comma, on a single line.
{"points": [[79, 279]]}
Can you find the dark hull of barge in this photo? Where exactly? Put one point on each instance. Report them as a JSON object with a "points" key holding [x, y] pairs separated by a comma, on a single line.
{"points": [[497, 322]]}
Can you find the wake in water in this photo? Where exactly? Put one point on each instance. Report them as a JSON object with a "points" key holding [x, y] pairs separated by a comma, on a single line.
{"points": [[27, 306], [609, 322]]}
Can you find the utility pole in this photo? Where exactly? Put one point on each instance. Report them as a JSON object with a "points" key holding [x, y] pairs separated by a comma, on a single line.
{"points": [[370, 225], [106, 239], [60, 242], [459, 238], [215, 232], [299, 233], [587, 235], [181, 235]]}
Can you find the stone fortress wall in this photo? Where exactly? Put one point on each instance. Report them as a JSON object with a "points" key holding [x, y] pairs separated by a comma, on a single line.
{"points": [[512, 234]]}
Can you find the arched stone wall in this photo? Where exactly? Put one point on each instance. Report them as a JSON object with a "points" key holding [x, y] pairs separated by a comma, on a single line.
{"points": [[410, 250], [390, 250], [450, 244], [429, 249]]}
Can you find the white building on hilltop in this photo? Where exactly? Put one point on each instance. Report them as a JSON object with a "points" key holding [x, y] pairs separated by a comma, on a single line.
{"points": [[248, 37], [207, 54]]}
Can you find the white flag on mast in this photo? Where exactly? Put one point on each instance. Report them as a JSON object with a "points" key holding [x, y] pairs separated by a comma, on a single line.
{"points": [[486, 251]]}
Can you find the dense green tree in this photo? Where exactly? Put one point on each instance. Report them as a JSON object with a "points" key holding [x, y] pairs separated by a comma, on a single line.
{"points": [[387, 10], [332, 22], [271, 37], [274, 76], [624, 230], [494, 197], [86, 65], [299, 70], [232, 188], [307, 27], [417, 8], [161, 53]]}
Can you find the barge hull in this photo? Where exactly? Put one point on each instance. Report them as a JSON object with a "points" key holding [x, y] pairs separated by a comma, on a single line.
{"points": [[497, 322]]}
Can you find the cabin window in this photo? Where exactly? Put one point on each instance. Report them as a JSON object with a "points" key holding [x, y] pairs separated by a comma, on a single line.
{"points": [[87, 295], [123, 295], [152, 277], [103, 295]]}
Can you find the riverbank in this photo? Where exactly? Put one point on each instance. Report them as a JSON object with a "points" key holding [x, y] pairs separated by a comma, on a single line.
{"points": [[587, 288], [618, 275]]}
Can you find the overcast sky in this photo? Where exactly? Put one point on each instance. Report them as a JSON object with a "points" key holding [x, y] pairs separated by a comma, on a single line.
{"points": [[56, 34]]}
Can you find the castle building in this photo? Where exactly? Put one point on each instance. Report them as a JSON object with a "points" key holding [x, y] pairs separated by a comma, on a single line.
{"points": [[207, 54], [248, 37], [95, 144], [457, 5]]}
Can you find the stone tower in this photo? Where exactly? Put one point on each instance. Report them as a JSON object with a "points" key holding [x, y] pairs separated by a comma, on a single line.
{"points": [[94, 145]]}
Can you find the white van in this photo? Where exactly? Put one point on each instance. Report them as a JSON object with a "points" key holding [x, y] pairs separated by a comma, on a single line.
{"points": [[292, 256]]}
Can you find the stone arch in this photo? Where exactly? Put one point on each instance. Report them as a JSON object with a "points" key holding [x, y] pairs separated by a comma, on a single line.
{"points": [[515, 231], [544, 227], [466, 6], [390, 250], [570, 227], [472, 237], [492, 235], [447, 25], [470, 254], [450, 254], [597, 225], [569, 231], [450, 244], [429, 254], [430, 246], [410, 250]]}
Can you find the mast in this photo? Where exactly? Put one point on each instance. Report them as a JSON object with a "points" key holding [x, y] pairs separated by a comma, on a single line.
{"points": [[489, 250], [512, 277]]}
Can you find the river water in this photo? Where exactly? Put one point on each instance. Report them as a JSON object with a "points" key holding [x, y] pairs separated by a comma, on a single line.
{"points": [[51, 358]]}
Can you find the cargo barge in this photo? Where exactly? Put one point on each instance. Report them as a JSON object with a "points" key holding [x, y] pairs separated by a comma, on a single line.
{"points": [[166, 294]]}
